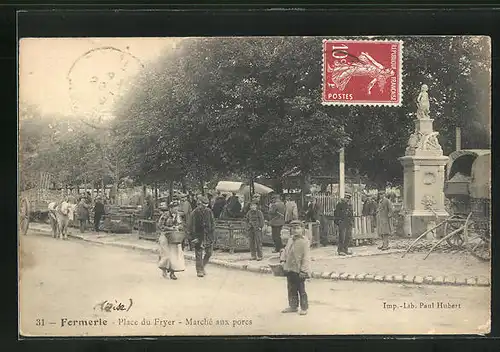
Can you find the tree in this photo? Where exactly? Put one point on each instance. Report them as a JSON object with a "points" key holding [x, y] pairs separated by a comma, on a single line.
{"points": [[222, 105]]}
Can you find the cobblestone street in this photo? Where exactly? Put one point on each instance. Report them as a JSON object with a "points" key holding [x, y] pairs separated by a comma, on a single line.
{"points": [[67, 279]]}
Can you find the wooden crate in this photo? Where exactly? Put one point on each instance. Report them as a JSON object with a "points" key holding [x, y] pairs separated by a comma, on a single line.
{"points": [[231, 235], [118, 223], [148, 230]]}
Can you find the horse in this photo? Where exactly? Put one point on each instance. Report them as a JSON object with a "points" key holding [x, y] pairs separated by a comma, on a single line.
{"points": [[60, 214]]}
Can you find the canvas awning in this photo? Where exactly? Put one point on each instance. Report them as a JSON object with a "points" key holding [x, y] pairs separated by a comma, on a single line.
{"points": [[240, 187], [480, 185]]}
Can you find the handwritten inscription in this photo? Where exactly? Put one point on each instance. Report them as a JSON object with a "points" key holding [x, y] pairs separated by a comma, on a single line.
{"points": [[108, 306]]}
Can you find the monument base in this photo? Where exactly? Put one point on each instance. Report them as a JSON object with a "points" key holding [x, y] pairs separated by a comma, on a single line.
{"points": [[422, 221]]}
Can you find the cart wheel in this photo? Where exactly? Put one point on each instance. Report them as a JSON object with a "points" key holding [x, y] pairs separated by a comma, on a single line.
{"points": [[24, 216], [452, 224], [478, 240]]}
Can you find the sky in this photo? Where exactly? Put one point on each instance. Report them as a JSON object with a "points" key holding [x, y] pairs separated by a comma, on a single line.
{"points": [[45, 64]]}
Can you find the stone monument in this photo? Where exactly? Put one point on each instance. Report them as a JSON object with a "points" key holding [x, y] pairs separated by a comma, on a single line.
{"points": [[424, 173]]}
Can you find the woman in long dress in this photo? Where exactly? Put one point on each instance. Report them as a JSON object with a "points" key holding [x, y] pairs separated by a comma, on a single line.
{"points": [[171, 255]]}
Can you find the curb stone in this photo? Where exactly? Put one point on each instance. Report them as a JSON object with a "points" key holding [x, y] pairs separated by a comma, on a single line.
{"points": [[428, 279], [334, 276], [360, 277], [418, 280], [483, 281], [325, 275], [470, 281], [438, 280], [408, 279], [449, 280], [398, 278]]}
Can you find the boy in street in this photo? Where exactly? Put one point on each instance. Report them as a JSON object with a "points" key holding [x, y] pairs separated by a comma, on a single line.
{"points": [[296, 264], [255, 222]]}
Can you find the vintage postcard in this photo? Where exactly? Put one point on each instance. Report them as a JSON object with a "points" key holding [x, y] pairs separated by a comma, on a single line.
{"points": [[254, 186]]}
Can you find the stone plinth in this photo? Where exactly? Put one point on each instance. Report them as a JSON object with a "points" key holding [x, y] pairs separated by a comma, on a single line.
{"points": [[424, 178]]}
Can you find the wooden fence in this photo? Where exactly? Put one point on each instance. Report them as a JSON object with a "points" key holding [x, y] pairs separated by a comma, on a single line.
{"points": [[363, 228]]}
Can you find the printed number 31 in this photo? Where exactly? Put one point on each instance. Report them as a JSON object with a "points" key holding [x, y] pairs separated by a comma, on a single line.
{"points": [[40, 322]]}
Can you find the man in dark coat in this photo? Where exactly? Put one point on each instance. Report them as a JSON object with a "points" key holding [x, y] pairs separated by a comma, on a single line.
{"points": [[370, 209], [385, 213], [277, 220], [344, 219], [201, 228], [255, 222], [234, 206], [219, 204], [98, 213]]}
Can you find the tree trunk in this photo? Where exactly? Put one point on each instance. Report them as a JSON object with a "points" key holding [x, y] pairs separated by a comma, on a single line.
{"points": [[202, 187], [170, 191], [183, 183], [156, 194]]}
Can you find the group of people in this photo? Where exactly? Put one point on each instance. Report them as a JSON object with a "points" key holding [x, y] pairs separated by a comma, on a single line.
{"points": [[85, 206], [198, 226]]}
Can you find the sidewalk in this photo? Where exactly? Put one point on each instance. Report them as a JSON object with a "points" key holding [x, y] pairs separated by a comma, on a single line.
{"points": [[366, 264]]}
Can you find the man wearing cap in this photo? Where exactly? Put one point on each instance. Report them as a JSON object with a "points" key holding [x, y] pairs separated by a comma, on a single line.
{"points": [[277, 220], [344, 219], [201, 229], [384, 219], [255, 222]]}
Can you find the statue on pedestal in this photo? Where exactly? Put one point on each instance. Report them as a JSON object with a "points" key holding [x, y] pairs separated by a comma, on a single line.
{"points": [[423, 103]]}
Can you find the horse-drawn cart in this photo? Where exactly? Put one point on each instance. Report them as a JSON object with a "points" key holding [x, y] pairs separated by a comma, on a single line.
{"points": [[468, 187]]}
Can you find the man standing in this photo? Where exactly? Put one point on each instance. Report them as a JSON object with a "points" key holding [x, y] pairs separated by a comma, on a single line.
{"points": [[291, 210], [201, 228], [234, 206], [98, 213], [219, 204], [344, 219], [384, 216], [184, 214], [315, 214], [370, 209], [255, 222], [277, 220]]}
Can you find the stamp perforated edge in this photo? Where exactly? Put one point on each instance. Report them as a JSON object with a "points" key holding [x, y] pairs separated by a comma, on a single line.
{"points": [[343, 103]]}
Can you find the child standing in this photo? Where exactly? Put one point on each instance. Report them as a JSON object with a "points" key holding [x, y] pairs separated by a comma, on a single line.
{"points": [[255, 222], [296, 264]]}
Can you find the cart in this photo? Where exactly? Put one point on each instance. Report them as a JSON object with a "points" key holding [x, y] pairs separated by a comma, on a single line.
{"points": [[24, 216], [468, 187]]}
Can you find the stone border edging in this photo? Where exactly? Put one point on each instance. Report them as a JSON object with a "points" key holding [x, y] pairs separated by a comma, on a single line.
{"points": [[264, 269]]}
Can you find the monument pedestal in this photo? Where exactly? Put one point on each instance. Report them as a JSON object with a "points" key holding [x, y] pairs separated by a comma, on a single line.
{"points": [[424, 177]]}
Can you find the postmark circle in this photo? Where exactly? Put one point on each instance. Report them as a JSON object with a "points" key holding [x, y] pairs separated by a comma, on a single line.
{"points": [[98, 78]]}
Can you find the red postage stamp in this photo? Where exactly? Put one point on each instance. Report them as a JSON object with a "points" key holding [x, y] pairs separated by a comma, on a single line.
{"points": [[362, 72]]}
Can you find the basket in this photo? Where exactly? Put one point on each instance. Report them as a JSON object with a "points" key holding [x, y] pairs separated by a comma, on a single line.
{"points": [[175, 237], [276, 266]]}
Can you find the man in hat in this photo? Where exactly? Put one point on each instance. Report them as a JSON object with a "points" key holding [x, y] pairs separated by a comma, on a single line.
{"points": [[277, 220], [98, 213], [201, 229], [255, 222], [296, 265], [385, 211], [218, 206], [344, 219]]}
